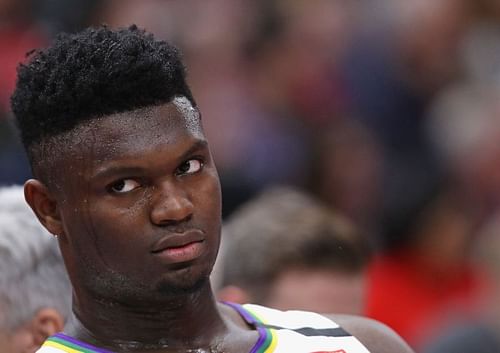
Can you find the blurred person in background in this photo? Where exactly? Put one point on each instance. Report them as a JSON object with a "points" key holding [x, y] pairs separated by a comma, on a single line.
{"points": [[287, 250], [479, 333], [424, 275], [35, 294]]}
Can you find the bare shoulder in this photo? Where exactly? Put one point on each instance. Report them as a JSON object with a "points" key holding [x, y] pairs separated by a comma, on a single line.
{"points": [[375, 336]]}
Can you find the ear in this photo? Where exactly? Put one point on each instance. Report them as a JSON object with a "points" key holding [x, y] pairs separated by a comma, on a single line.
{"points": [[233, 294], [46, 323], [44, 205]]}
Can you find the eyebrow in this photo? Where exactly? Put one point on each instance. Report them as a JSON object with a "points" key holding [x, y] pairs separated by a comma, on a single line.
{"points": [[103, 173], [198, 145]]}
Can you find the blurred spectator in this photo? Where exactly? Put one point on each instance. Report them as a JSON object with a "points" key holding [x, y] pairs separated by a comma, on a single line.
{"points": [[302, 255], [35, 294], [426, 276], [480, 333]]}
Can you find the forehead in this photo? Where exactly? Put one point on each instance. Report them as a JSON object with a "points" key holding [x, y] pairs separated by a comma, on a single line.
{"points": [[130, 133]]}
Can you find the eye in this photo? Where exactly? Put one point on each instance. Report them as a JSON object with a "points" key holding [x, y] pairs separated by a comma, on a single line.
{"points": [[190, 167], [124, 185]]}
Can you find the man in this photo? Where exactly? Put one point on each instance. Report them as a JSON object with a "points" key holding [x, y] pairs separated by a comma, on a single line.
{"points": [[125, 179], [305, 256], [35, 293]]}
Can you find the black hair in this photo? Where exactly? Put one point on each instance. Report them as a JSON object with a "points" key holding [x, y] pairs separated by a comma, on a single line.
{"points": [[93, 73]]}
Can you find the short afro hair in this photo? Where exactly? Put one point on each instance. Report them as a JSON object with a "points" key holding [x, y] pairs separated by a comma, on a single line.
{"points": [[93, 73]]}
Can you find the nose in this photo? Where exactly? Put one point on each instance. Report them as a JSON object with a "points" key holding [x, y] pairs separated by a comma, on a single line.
{"points": [[171, 204]]}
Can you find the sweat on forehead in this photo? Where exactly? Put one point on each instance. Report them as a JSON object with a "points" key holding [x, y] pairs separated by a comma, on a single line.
{"points": [[108, 137], [94, 73]]}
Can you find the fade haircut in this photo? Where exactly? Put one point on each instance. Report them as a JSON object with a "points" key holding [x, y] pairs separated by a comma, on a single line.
{"points": [[32, 272], [91, 74], [285, 228]]}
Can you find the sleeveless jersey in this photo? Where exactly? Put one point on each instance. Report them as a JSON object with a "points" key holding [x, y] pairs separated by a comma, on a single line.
{"points": [[279, 332], [296, 331]]}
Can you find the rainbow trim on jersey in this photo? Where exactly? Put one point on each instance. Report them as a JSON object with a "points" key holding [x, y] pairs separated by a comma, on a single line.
{"points": [[267, 337], [266, 342], [71, 345]]}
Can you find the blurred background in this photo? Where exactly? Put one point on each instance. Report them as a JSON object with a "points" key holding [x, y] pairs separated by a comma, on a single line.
{"points": [[387, 110]]}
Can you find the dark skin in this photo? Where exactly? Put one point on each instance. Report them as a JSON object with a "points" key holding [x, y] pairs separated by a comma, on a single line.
{"points": [[136, 207]]}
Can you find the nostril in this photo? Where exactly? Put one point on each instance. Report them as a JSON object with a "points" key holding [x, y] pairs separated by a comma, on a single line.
{"points": [[185, 219], [174, 222]]}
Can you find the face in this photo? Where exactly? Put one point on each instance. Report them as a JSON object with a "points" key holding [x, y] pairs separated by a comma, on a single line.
{"points": [[19, 341], [139, 200]]}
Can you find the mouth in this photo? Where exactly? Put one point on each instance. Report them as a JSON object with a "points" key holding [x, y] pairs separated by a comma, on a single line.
{"points": [[183, 247]]}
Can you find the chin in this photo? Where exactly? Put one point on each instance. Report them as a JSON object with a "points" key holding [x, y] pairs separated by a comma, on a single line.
{"points": [[185, 282]]}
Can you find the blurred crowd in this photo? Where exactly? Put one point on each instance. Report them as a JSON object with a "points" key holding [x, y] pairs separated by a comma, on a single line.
{"points": [[386, 110]]}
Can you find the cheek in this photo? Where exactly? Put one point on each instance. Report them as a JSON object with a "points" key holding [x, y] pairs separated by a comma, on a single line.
{"points": [[19, 342], [105, 234], [207, 202], [118, 232], [210, 196]]}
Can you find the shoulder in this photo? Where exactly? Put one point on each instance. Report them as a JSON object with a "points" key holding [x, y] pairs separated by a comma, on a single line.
{"points": [[375, 336]]}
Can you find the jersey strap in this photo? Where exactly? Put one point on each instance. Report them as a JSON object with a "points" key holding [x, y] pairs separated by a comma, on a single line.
{"points": [[63, 343], [297, 331]]}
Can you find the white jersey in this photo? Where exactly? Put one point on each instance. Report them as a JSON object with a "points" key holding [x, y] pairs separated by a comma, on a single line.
{"points": [[297, 331]]}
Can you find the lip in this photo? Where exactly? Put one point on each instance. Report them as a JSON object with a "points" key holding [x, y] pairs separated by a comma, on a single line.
{"points": [[179, 247], [178, 240]]}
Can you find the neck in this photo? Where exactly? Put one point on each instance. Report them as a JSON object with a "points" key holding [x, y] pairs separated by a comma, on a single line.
{"points": [[183, 322]]}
